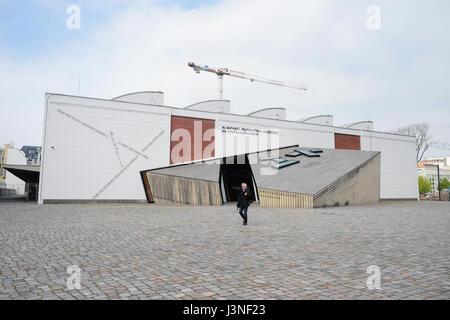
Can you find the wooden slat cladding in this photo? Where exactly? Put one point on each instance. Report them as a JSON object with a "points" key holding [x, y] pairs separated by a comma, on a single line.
{"points": [[148, 192], [280, 199], [201, 141], [357, 187], [179, 190], [347, 141]]}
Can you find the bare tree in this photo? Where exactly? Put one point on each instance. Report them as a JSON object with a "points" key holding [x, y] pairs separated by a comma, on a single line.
{"points": [[423, 137]]}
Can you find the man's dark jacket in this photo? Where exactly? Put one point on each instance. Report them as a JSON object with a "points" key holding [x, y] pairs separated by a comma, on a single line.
{"points": [[244, 200]]}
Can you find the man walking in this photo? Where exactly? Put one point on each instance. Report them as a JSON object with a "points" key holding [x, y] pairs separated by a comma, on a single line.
{"points": [[244, 201]]}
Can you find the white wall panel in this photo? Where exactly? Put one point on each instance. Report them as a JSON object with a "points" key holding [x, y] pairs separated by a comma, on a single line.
{"points": [[398, 164], [307, 137], [288, 133], [96, 151]]}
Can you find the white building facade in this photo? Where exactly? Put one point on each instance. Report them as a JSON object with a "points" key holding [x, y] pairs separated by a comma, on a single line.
{"points": [[94, 149]]}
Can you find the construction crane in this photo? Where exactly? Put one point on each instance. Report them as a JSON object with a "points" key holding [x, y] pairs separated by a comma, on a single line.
{"points": [[220, 72]]}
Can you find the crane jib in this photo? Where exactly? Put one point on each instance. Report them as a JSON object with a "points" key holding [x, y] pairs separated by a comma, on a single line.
{"points": [[220, 72]]}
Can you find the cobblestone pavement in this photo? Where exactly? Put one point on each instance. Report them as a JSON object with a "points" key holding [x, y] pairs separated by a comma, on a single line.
{"points": [[156, 252]]}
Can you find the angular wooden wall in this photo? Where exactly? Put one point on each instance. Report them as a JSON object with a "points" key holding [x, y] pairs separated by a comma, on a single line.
{"points": [[359, 186], [180, 190], [280, 199]]}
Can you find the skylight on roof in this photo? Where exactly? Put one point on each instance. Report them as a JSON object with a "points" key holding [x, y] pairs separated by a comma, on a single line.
{"points": [[269, 158], [307, 153], [284, 164], [279, 160], [293, 154]]}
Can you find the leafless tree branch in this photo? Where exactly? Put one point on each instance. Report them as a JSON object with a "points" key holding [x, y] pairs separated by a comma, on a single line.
{"points": [[423, 138]]}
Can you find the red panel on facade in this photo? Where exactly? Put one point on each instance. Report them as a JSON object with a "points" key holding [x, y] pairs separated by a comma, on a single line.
{"points": [[347, 141], [191, 139]]}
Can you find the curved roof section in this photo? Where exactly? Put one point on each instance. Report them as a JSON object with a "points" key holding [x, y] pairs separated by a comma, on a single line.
{"points": [[260, 110], [270, 113], [134, 93], [364, 125], [222, 106], [326, 119], [202, 102], [146, 97], [50, 96]]}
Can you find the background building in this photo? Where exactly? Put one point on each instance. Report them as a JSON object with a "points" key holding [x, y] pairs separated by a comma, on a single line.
{"points": [[443, 162], [11, 156], [2, 170], [431, 174], [94, 149], [33, 154]]}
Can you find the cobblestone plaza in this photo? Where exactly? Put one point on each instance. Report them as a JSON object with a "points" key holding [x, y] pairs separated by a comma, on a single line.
{"points": [[168, 252]]}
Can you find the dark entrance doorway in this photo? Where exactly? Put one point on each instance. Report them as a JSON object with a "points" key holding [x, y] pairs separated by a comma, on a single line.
{"points": [[233, 174]]}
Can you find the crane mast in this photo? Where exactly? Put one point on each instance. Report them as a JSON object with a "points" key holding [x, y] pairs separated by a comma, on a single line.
{"points": [[220, 72]]}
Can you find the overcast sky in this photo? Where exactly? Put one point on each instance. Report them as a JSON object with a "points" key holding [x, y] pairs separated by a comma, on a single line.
{"points": [[395, 75]]}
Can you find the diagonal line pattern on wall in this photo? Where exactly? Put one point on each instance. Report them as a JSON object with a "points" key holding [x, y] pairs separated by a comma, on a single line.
{"points": [[127, 165], [115, 142], [101, 133]]}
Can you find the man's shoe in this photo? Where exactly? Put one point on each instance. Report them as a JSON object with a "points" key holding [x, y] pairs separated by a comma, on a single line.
{"points": [[244, 223]]}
